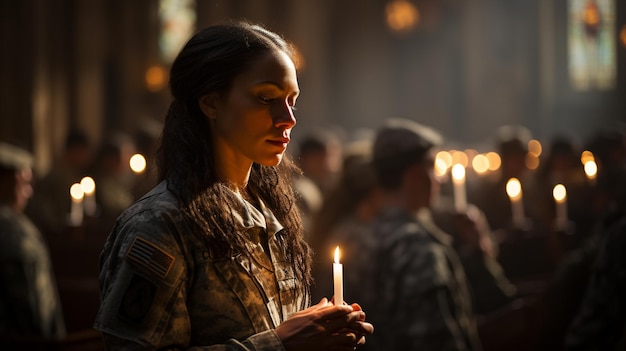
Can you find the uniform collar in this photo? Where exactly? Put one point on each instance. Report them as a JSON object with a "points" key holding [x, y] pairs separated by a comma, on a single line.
{"points": [[249, 216]]}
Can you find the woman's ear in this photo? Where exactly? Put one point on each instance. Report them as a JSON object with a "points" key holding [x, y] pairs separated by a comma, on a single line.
{"points": [[208, 105]]}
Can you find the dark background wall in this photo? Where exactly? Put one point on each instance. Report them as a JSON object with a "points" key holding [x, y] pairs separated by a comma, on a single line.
{"points": [[466, 69]]}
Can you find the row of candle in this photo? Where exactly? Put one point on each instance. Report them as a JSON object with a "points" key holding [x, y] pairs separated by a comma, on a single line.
{"points": [[514, 191], [83, 195], [490, 161]]}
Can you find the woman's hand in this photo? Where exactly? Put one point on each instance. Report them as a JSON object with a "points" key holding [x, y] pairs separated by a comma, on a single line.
{"points": [[325, 326]]}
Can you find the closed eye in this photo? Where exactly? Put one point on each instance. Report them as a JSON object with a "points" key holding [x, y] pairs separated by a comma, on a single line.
{"points": [[265, 100]]}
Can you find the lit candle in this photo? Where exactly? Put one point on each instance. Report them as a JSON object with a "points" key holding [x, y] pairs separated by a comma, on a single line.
{"points": [[458, 178], [514, 190], [591, 170], [89, 187], [560, 199], [137, 163], [76, 211], [338, 279]]}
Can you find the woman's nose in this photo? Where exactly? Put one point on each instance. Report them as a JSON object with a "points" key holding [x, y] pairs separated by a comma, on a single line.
{"points": [[284, 116]]}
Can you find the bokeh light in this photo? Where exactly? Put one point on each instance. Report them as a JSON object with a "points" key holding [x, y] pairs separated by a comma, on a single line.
{"points": [[494, 161], [76, 192], [591, 169], [535, 148], [137, 163], [480, 163], [88, 185], [559, 193], [514, 188]]}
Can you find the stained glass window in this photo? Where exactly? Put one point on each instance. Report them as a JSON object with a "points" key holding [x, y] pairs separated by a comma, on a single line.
{"points": [[177, 23], [591, 44]]}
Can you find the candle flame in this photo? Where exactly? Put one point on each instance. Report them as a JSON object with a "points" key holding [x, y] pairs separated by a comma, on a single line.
{"points": [[514, 188], [586, 156], [137, 163], [559, 193], [76, 191], [88, 185], [591, 169], [337, 254], [458, 172]]}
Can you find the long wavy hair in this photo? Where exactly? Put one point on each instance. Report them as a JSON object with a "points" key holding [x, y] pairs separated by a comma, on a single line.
{"points": [[209, 63]]}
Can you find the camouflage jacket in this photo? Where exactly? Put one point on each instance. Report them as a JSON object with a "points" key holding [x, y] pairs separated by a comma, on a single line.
{"points": [[417, 294], [162, 288], [29, 298], [600, 323]]}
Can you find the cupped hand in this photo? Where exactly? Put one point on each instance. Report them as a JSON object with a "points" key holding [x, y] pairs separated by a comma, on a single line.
{"points": [[325, 326]]}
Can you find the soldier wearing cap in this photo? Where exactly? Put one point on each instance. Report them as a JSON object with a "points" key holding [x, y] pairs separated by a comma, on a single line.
{"points": [[29, 299], [420, 299]]}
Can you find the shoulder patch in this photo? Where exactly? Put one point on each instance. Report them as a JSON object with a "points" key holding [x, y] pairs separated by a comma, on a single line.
{"points": [[149, 256], [137, 300]]}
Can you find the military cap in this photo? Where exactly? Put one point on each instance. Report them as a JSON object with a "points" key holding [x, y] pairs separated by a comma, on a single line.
{"points": [[403, 139], [511, 139], [14, 157]]}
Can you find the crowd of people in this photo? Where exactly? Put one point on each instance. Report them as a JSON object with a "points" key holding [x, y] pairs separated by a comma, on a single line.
{"points": [[226, 240], [434, 277]]}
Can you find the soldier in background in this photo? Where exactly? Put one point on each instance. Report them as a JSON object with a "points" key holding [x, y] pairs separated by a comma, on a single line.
{"points": [[419, 298], [29, 299]]}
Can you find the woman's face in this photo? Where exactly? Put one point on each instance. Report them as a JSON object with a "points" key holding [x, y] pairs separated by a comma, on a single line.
{"points": [[253, 121]]}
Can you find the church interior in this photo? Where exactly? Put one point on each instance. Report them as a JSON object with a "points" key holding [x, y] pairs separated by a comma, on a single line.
{"points": [[98, 70]]}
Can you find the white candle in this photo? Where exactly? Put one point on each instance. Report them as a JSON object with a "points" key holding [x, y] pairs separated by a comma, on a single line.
{"points": [[338, 279], [89, 187], [560, 198], [76, 211], [460, 196], [514, 190]]}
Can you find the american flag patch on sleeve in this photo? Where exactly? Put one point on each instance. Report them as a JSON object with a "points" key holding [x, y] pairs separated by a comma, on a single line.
{"points": [[150, 257]]}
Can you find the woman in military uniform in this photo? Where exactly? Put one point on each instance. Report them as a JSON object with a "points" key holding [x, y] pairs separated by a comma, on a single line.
{"points": [[213, 257]]}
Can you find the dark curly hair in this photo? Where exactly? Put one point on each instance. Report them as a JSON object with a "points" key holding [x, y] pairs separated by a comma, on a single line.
{"points": [[208, 63]]}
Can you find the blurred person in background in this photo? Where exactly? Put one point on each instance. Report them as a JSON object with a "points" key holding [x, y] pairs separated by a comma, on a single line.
{"points": [[600, 322], [344, 220], [50, 206], [114, 177], [30, 308], [562, 165], [413, 286], [319, 157], [489, 194], [582, 309]]}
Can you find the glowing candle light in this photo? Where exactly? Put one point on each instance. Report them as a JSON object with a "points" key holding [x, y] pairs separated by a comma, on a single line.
{"points": [[591, 170], [458, 178], [338, 279], [560, 198], [89, 188], [514, 190], [480, 163], [76, 211], [137, 163]]}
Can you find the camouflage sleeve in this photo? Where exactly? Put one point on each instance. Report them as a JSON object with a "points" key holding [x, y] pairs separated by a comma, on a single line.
{"points": [[143, 280], [267, 340], [423, 311]]}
